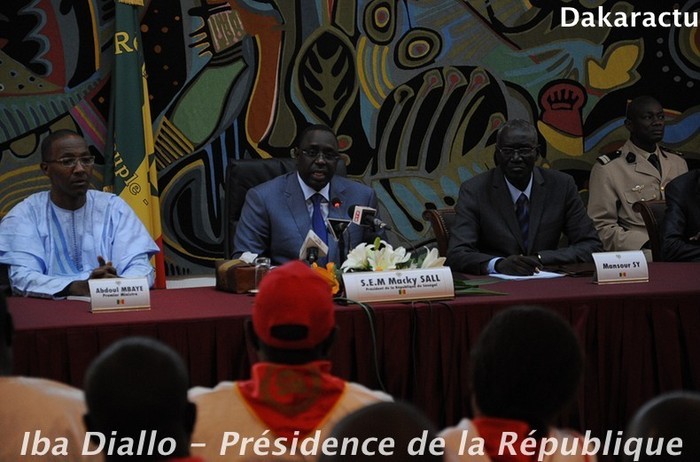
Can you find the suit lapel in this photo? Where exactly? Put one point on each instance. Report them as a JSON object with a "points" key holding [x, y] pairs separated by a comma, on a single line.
{"points": [[337, 191], [503, 203], [645, 167], [537, 202], [300, 213], [297, 205]]}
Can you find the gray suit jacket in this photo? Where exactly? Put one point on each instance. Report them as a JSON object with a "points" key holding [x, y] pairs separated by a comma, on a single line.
{"points": [[682, 219], [274, 220], [486, 226]]}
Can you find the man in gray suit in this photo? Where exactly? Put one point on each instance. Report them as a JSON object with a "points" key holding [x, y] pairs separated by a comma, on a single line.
{"points": [[278, 214], [510, 219]]}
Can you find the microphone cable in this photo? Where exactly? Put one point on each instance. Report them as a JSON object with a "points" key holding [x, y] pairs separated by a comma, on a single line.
{"points": [[451, 356], [369, 311]]}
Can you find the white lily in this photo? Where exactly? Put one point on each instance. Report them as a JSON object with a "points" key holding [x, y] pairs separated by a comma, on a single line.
{"points": [[432, 260], [357, 259], [386, 258], [381, 256]]}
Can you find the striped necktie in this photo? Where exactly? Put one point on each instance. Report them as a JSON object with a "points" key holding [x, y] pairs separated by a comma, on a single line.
{"points": [[318, 223], [522, 212]]}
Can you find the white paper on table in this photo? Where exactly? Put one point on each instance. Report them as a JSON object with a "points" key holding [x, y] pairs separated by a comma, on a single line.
{"points": [[540, 275]]}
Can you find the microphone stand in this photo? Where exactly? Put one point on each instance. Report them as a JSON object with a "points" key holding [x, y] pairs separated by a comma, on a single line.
{"points": [[341, 248]]}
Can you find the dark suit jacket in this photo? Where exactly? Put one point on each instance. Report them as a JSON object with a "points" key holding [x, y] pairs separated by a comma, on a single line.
{"points": [[682, 220], [274, 220], [486, 226]]}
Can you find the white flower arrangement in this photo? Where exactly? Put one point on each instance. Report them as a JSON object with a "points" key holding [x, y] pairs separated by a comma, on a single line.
{"points": [[381, 256]]}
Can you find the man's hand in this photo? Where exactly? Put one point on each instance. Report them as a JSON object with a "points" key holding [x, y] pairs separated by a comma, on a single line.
{"points": [[105, 270], [518, 265]]}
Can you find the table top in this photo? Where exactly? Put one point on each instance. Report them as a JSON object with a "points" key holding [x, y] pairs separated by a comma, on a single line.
{"points": [[665, 280]]}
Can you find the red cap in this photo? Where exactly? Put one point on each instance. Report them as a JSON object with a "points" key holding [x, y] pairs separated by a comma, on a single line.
{"points": [[293, 296]]}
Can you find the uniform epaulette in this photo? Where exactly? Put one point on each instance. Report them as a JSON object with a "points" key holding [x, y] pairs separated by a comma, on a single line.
{"points": [[606, 158], [671, 151]]}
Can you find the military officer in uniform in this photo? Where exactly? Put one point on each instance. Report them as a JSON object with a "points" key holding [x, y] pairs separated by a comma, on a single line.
{"points": [[639, 171]]}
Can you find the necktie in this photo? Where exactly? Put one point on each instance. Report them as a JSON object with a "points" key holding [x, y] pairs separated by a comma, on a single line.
{"points": [[522, 212], [318, 223], [654, 160]]}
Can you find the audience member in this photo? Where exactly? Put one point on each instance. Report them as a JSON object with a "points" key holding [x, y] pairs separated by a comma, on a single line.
{"points": [[681, 227], [638, 171], [54, 241], [526, 368], [671, 415], [390, 432], [137, 389], [35, 413], [278, 214], [292, 393], [510, 218]]}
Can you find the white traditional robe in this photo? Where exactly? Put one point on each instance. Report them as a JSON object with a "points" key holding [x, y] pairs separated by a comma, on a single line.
{"points": [[47, 247]]}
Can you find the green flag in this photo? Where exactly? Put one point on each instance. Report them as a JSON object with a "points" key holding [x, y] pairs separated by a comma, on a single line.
{"points": [[131, 171]]}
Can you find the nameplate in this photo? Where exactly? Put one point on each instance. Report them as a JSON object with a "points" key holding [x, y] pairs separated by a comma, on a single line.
{"points": [[616, 267], [401, 285], [119, 294]]}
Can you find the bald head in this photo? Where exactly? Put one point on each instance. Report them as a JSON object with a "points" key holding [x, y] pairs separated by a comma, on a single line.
{"points": [[639, 104], [140, 384], [394, 422], [526, 365], [672, 415]]}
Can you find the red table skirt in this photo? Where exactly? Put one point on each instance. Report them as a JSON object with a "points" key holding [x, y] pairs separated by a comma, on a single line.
{"points": [[640, 340]]}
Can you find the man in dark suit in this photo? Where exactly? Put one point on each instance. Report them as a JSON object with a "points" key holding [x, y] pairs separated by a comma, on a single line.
{"points": [[681, 228], [278, 214], [510, 218]]}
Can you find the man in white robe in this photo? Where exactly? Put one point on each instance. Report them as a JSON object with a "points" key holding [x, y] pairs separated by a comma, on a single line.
{"points": [[55, 241]]}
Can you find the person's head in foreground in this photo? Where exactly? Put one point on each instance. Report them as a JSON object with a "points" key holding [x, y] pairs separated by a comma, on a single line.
{"points": [[139, 384], [293, 316], [658, 422], [390, 431], [526, 366]]}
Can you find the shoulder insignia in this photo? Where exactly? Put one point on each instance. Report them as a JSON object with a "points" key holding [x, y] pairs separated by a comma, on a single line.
{"points": [[665, 150], [606, 158]]}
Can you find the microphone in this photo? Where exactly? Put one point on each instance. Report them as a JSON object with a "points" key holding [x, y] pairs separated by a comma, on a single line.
{"points": [[337, 226], [367, 216], [313, 248]]}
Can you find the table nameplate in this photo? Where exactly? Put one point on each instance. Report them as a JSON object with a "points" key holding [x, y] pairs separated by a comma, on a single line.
{"points": [[400, 285]]}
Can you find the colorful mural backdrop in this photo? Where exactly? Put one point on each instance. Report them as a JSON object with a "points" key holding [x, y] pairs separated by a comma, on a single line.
{"points": [[415, 90]]}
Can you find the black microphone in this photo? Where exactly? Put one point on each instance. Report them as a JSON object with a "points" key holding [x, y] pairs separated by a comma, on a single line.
{"points": [[312, 255], [313, 248]]}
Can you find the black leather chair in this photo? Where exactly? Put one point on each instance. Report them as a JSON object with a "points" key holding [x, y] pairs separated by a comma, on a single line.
{"points": [[653, 213], [441, 221], [4, 279], [243, 174]]}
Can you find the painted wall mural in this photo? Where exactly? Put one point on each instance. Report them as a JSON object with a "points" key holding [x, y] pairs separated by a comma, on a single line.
{"points": [[415, 90]]}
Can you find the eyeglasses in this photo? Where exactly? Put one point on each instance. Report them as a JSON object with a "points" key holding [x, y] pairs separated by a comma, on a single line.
{"points": [[313, 153], [71, 162], [526, 152]]}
